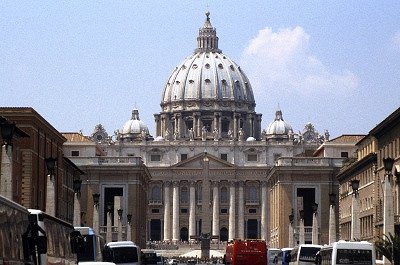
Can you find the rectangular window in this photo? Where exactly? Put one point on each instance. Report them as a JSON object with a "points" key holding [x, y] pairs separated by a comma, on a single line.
{"points": [[155, 158], [224, 210], [344, 154], [252, 158], [184, 210], [252, 210], [224, 157], [155, 210], [74, 153], [183, 157]]}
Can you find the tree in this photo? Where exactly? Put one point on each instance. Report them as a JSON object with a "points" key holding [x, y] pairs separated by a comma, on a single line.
{"points": [[389, 246]]}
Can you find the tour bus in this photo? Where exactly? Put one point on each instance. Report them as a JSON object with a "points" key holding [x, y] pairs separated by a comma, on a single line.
{"points": [[273, 253], [91, 244], [347, 252], [285, 255], [122, 252], [57, 246], [149, 257], [304, 254], [240, 252]]}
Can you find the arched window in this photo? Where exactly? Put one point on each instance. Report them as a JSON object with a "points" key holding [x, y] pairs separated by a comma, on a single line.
{"points": [[184, 195], [156, 193], [252, 193], [224, 195]]}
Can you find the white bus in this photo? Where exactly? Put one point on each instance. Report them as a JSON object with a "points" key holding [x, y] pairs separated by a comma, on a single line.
{"points": [[347, 253], [304, 254], [122, 252], [91, 245]]}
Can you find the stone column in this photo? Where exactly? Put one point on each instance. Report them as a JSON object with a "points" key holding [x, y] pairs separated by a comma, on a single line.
{"points": [[388, 215], [235, 126], [119, 228], [96, 225], [355, 220], [301, 232], [6, 172], [240, 203], [332, 224], [109, 228], [192, 210], [50, 196], [315, 228], [215, 224], [128, 231], [232, 211], [264, 220], [175, 211], [167, 212], [77, 209]]}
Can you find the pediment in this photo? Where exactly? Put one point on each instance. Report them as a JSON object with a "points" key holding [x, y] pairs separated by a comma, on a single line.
{"points": [[197, 162]]}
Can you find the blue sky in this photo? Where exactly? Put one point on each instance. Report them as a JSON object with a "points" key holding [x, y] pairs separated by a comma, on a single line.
{"points": [[80, 63]]}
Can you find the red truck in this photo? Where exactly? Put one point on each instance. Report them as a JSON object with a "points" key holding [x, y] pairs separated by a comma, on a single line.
{"points": [[246, 252]]}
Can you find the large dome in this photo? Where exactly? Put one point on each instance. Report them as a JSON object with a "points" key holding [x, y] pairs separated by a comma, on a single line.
{"points": [[207, 80]]}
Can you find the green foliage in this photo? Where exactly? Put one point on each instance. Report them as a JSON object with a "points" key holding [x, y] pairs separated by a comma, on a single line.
{"points": [[389, 246]]}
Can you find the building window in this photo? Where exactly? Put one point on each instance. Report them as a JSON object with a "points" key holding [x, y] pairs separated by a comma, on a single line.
{"points": [[252, 158], [155, 158], [276, 157], [252, 210], [224, 210], [224, 157], [344, 154], [155, 210], [183, 157], [74, 153], [156, 193], [184, 195], [184, 210], [224, 195]]}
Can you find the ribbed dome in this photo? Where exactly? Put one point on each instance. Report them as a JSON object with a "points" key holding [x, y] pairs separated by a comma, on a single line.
{"points": [[134, 129], [207, 80], [278, 128]]}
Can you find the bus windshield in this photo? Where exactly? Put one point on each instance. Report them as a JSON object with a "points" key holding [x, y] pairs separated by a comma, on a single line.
{"points": [[308, 253], [354, 256], [125, 255]]}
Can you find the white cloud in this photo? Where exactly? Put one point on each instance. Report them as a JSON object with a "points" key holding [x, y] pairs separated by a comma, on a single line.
{"points": [[281, 62]]}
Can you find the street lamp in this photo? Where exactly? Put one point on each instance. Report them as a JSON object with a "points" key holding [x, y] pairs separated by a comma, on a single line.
{"points": [[77, 186], [291, 217], [51, 165], [7, 132], [120, 213], [96, 199], [355, 183], [388, 164], [332, 198], [129, 218], [315, 207]]}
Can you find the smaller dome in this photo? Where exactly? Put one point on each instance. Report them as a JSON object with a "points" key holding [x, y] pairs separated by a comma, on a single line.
{"points": [[135, 129], [278, 128], [250, 139]]}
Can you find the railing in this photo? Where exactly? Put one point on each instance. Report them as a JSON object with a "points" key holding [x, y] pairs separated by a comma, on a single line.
{"points": [[304, 161], [130, 160], [252, 202], [155, 202], [114, 232]]}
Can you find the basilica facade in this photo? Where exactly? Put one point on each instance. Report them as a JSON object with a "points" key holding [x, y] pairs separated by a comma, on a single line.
{"points": [[211, 168]]}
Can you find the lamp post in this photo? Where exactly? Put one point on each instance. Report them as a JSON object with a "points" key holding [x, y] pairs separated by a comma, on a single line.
{"points": [[96, 200], [6, 183], [301, 229], [355, 220], [128, 227], [120, 224], [332, 218], [388, 215], [291, 229], [315, 226], [109, 222], [50, 187], [77, 203]]}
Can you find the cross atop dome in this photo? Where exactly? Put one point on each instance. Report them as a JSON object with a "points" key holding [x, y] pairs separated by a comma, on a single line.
{"points": [[207, 41]]}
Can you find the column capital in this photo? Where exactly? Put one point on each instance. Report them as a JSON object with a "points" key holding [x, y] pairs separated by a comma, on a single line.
{"points": [[167, 183], [193, 183], [240, 183], [215, 183]]}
